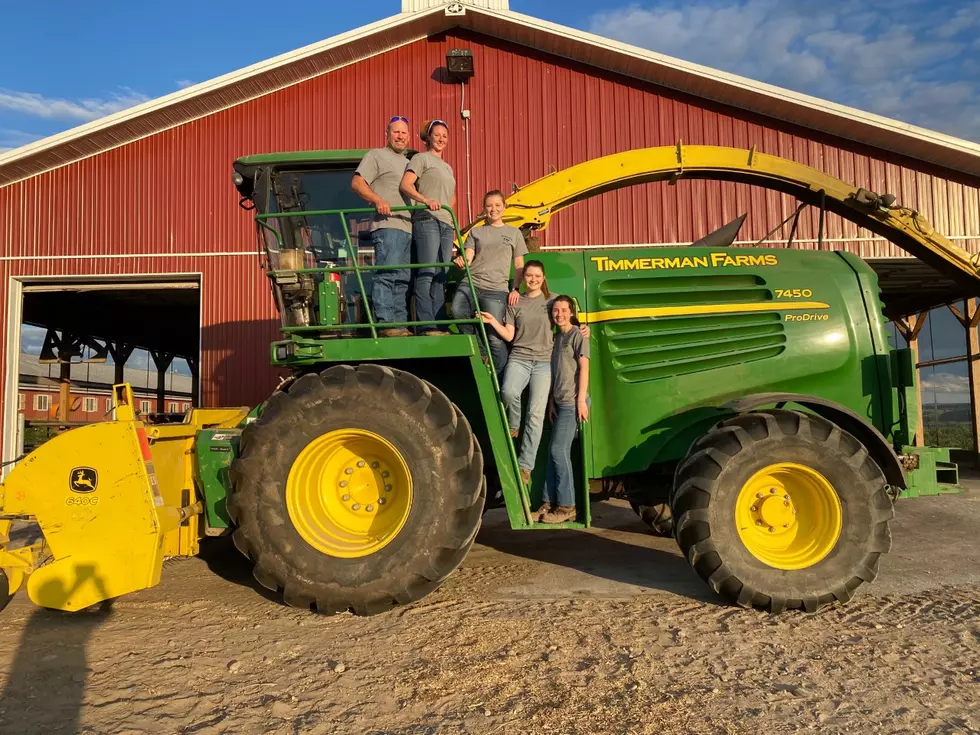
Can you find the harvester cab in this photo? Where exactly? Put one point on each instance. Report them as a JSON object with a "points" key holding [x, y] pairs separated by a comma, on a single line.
{"points": [[745, 401]]}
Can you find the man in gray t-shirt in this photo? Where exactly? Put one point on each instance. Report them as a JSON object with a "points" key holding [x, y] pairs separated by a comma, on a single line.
{"points": [[376, 181]]}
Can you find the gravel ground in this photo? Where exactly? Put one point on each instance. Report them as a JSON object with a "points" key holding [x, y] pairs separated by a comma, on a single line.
{"points": [[605, 631]]}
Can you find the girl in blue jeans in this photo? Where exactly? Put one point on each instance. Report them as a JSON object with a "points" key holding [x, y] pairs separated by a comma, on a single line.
{"points": [[429, 180], [569, 406], [527, 326]]}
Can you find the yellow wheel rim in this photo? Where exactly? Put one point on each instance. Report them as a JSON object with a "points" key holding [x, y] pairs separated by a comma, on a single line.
{"points": [[788, 516], [349, 493]]}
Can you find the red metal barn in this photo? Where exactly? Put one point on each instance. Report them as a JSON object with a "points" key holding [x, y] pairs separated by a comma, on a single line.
{"points": [[147, 192]]}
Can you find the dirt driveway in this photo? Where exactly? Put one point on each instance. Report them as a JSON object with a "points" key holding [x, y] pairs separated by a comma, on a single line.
{"points": [[606, 631]]}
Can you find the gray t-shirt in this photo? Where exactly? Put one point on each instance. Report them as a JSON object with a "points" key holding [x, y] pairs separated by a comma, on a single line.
{"points": [[533, 338], [569, 347], [436, 181], [383, 169], [494, 250]]}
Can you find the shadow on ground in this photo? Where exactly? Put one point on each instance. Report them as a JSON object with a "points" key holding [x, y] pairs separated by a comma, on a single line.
{"points": [[46, 683], [224, 560], [619, 551]]}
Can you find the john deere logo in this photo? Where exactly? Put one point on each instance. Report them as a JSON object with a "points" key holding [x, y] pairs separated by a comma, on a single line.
{"points": [[83, 480]]}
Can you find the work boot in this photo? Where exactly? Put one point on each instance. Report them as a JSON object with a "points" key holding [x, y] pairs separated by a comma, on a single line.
{"points": [[560, 514], [541, 512], [525, 475], [396, 332]]}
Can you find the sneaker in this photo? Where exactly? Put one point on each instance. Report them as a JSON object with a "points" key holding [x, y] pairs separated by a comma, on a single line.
{"points": [[525, 476], [396, 332], [541, 512], [560, 514]]}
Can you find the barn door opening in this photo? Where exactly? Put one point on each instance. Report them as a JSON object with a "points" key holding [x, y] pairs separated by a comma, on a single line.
{"points": [[75, 338]]}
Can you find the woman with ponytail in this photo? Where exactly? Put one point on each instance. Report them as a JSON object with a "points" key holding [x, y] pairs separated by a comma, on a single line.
{"points": [[429, 180]]}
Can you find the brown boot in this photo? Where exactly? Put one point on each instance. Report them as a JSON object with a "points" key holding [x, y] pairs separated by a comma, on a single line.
{"points": [[525, 476], [560, 514], [514, 433], [396, 332], [541, 512]]}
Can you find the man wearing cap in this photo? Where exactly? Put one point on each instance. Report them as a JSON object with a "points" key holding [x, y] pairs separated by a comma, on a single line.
{"points": [[376, 182]]}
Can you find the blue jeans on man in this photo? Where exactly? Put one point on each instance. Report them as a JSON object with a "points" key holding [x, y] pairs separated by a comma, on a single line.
{"points": [[389, 291], [520, 374], [492, 302], [433, 244], [560, 486]]}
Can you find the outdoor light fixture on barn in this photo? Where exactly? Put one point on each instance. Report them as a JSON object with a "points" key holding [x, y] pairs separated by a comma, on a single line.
{"points": [[459, 62]]}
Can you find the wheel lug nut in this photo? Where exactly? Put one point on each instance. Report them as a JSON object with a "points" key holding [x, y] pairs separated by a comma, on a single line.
{"points": [[369, 508], [388, 488], [360, 463], [343, 483], [771, 529], [772, 490], [785, 525], [346, 497], [758, 523], [381, 501], [754, 508], [374, 465], [384, 474], [348, 471], [794, 511], [786, 503], [356, 506], [786, 497], [758, 495]]}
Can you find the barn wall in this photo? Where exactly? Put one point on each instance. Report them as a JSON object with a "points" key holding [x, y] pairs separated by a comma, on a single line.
{"points": [[165, 204]]}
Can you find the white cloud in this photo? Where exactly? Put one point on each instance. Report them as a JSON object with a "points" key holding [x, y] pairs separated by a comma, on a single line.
{"points": [[911, 63], [10, 139], [184, 83], [946, 383], [52, 108]]}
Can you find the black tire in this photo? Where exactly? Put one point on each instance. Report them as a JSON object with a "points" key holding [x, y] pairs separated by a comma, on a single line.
{"points": [[443, 458], [5, 596], [657, 516], [709, 480]]}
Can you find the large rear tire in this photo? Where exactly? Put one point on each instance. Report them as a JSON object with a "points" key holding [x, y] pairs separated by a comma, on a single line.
{"points": [[357, 489], [781, 510]]}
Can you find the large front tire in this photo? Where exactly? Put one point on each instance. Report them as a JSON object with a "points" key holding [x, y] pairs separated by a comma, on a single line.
{"points": [[781, 510], [357, 489]]}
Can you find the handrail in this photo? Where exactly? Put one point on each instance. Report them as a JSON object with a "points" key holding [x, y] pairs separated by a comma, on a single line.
{"points": [[372, 325]]}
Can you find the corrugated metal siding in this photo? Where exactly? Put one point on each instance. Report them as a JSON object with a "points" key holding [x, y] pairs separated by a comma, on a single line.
{"points": [[171, 193]]}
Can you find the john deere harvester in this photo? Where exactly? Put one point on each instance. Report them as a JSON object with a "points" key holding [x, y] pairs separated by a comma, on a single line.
{"points": [[746, 400]]}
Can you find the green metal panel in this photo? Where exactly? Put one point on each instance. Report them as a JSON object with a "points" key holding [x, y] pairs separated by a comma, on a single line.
{"points": [[935, 475], [286, 159], [215, 449], [678, 332]]}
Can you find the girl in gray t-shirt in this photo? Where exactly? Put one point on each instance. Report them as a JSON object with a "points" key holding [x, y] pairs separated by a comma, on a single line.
{"points": [[429, 180], [528, 328]]}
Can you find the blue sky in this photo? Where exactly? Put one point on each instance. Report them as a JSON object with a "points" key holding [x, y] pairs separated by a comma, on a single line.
{"points": [[64, 63]]}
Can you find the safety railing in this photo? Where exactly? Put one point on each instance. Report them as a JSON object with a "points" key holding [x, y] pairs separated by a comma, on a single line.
{"points": [[371, 325]]}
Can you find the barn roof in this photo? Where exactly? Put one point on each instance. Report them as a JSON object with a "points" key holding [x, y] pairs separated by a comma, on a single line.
{"points": [[347, 48]]}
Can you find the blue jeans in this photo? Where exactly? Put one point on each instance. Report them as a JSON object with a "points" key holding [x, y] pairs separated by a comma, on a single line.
{"points": [[560, 487], [433, 244], [389, 291], [519, 374], [493, 302]]}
